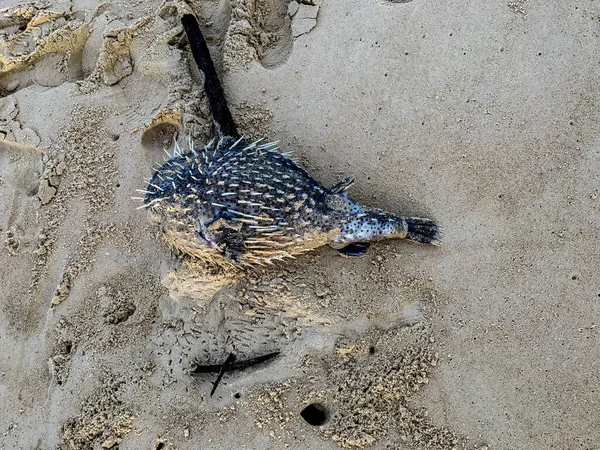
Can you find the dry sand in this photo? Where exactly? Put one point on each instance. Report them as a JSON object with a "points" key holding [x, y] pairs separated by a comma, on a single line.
{"points": [[484, 115]]}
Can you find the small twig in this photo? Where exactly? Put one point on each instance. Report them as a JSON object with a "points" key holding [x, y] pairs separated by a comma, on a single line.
{"points": [[237, 365], [230, 365], [228, 361]]}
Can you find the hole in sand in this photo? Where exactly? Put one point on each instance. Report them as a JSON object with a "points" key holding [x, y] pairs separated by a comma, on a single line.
{"points": [[314, 414]]}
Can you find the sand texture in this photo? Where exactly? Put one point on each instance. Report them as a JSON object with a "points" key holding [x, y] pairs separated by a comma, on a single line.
{"points": [[482, 115]]}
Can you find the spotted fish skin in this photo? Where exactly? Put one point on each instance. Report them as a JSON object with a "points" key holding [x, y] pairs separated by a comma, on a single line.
{"points": [[240, 204]]}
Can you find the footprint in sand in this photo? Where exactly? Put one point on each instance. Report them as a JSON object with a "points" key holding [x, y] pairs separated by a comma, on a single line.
{"points": [[21, 167]]}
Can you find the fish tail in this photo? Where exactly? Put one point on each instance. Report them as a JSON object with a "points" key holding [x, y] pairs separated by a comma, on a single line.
{"points": [[425, 231], [212, 86]]}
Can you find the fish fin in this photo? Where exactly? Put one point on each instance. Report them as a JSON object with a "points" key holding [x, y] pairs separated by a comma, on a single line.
{"points": [[212, 86], [342, 185], [425, 231], [355, 249], [223, 235], [232, 245]]}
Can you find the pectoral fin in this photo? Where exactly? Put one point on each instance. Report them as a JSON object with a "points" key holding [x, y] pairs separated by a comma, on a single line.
{"points": [[355, 249], [223, 235], [342, 185], [232, 245]]}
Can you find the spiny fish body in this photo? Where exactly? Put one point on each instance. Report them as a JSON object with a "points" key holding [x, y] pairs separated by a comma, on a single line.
{"points": [[231, 202], [240, 204]]}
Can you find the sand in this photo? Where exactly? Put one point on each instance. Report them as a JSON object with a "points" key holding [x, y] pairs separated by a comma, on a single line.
{"points": [[483, 115]]}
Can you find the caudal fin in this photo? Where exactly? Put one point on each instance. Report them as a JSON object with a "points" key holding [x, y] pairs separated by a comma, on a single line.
{"points": [[214, 91], [425, 231]]}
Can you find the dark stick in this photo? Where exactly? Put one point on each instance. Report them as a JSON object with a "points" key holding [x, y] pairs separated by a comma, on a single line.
{"points": [[234, 365], [229, 360], [214, 91], [252, 361]]}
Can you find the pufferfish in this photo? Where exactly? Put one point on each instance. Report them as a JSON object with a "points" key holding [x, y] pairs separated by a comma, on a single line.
{"points": [[246, 204]]}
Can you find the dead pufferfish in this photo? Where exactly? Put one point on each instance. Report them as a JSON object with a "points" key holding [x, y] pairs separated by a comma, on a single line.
{"points": [[247, 204]]}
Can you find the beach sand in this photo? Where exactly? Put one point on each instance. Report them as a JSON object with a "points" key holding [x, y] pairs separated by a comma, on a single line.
{"points": [[482, 115]]}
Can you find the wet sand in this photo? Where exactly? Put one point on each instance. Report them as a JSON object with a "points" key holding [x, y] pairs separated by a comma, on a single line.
{"points": [[483, 116]]}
